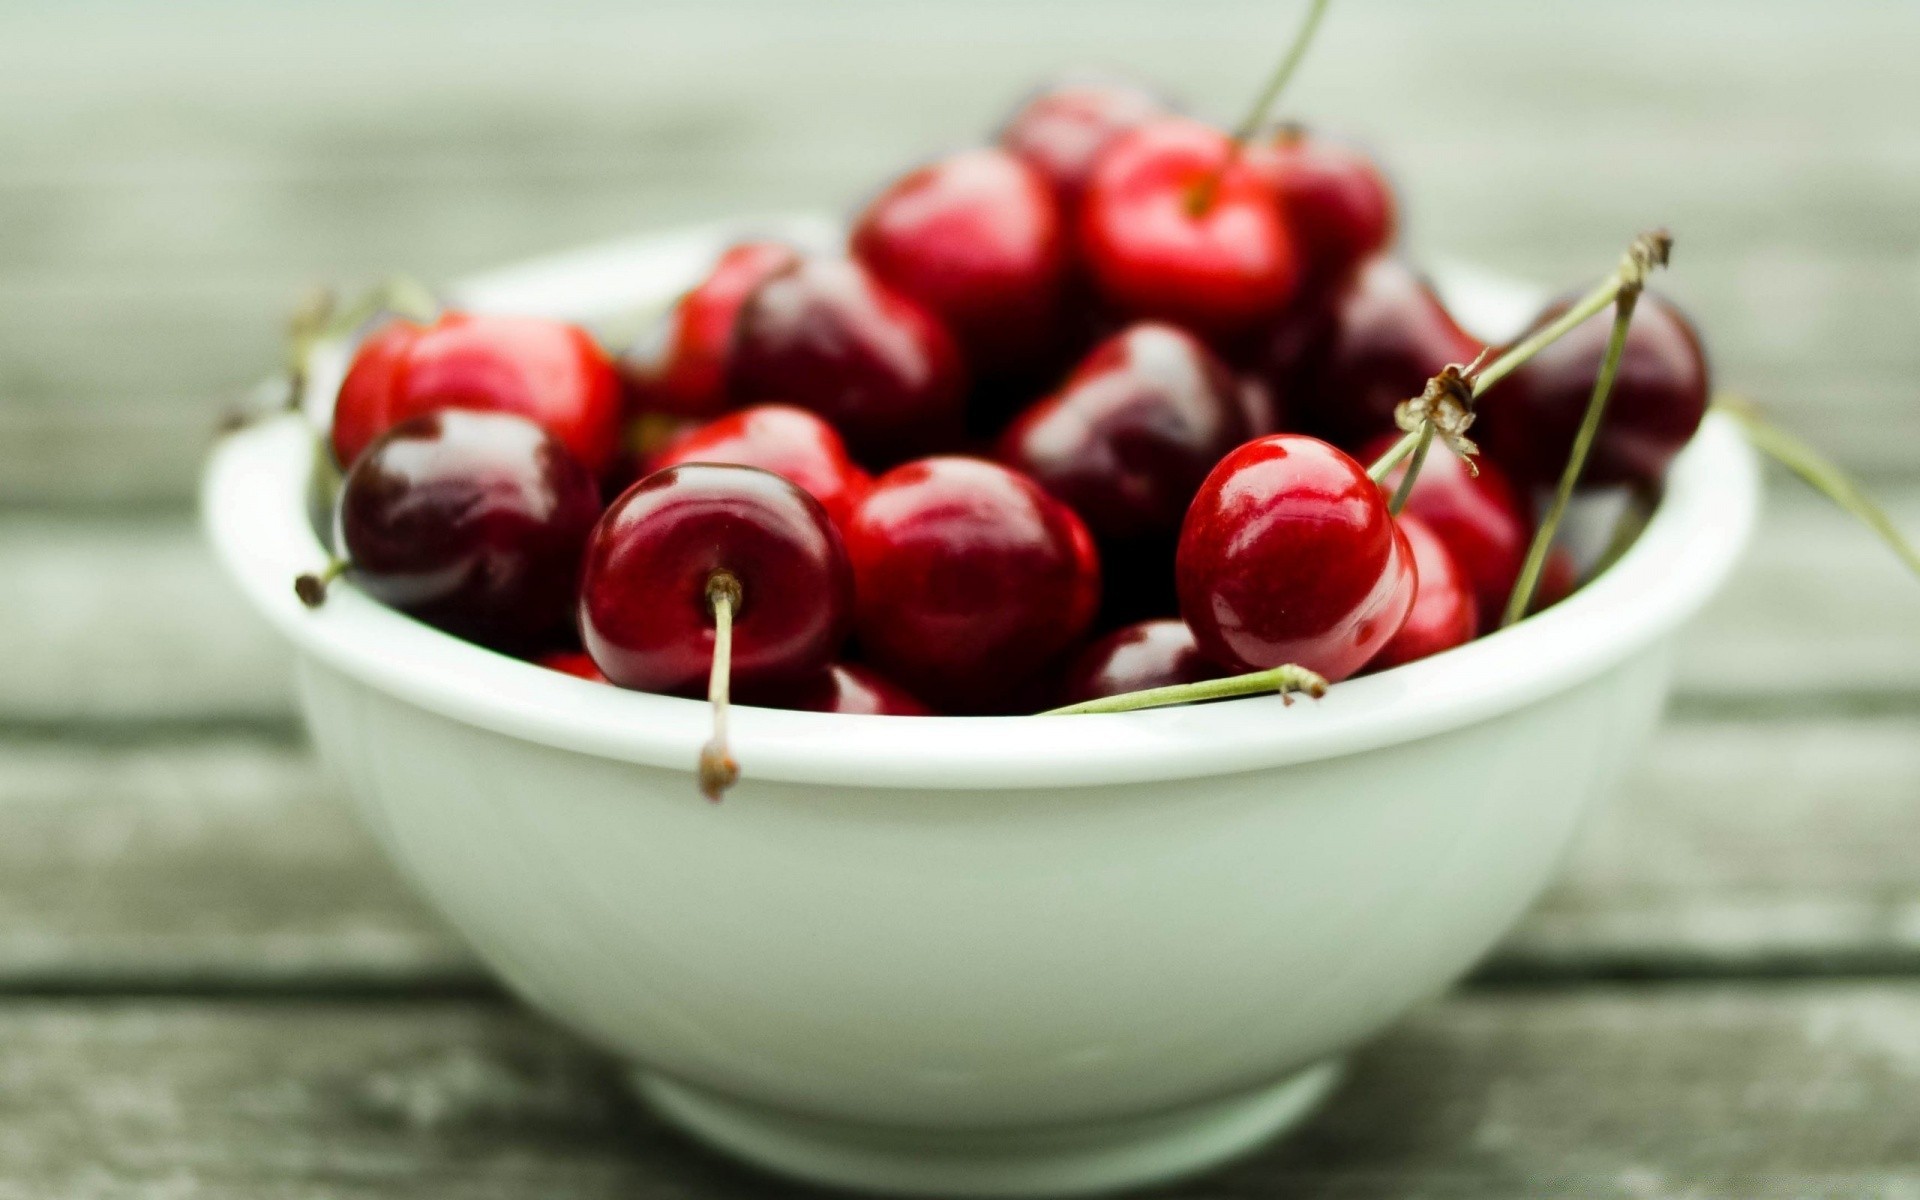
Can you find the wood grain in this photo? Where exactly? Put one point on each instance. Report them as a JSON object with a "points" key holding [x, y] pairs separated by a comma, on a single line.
{"points": [[1657, 1092]]}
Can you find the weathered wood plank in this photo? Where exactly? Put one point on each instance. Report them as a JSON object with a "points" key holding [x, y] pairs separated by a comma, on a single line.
{"points": [[1786, 167], [234, 864], [1662, 1092], [109, 619]]}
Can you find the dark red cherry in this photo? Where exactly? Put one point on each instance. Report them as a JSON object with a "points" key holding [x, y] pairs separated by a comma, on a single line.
{"points": [[577, 663], [1345, 363], [550, 372], [1527, 421], [1481, 518], [842, 688], [1061, 129], [827, 335], [1133, 658], [1127, 439], [1334, 198], [473, 522], [1444, 614], [646, 613], [977, 237], [1176, 226], [791, 442], [680, 365], [970, 581], [1288, 555]]}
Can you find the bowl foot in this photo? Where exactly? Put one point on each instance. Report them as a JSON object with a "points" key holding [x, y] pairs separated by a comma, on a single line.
{"points": [[1058, 1161]]}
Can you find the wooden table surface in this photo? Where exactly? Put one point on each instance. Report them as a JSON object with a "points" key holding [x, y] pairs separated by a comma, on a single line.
{"points": [[210, 986]]}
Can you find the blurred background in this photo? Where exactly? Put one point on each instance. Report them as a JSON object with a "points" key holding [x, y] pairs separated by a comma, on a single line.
{"points": [[173, 175]]}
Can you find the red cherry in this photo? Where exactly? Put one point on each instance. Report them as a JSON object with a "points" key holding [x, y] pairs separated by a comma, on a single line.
{"points": [[1444, 613], [970, 580], [1527, 421], [1133, 658], [1175, 225], [1481, 518], [1062, 128], [645, 611], [473, 522], [976, 237], [577, 663], [843, 688], [1334, 198], [825, 334], [550, 372], [791, 442], [680, 366], [1288, 555], [1344, 364], [1559, 577], [1127, 439]]}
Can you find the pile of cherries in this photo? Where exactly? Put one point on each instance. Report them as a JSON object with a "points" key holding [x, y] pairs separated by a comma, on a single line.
{"points": [[1084, 411]]}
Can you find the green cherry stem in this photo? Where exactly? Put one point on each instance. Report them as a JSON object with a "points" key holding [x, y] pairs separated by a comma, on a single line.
{"points": [[312, 586], [1250, 124], [718, 771], [1288, 680], [1418, 459], [1522, 595], [1819, 472]]}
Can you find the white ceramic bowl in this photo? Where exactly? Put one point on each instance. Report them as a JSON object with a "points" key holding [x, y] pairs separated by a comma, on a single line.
{"points": [[988, 956]]}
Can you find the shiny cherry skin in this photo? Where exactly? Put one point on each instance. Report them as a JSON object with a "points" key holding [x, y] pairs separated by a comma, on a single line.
{"points": [[1345, 364], [1334, 198], [1062, 128], [827, 335], [550, 372], [1528, 420], [645, 614], [791, 442], [1133, 658], [1444, 613], [473, 522], [577, 663], [1154, 250], [680, 365], [970, 581], [842, 688], [1482, 519], [1288, 555], [1127, 439], [978, 239]]}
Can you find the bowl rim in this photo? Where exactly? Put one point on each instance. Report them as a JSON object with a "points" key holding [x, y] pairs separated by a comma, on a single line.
{"points": [[254, 509]]}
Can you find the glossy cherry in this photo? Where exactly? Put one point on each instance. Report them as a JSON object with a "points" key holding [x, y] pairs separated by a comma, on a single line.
{"points": [[473, 522], [1133, 658], [646, 613], [1334, 198], [1288, 555], [1175, 225], [970, 581], [680, 365], [1444, 613], [978, 238], [1344, 363], [1061, 129], [791, 442], [1481, 517], [550, 372], [577, 663], [842, 688], [1527, 421], [829, 336]]}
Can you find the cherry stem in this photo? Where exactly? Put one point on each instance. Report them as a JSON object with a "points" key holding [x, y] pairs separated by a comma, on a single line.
{"points": [[1522, 596], [1287, 680], [1202, 198], [319, 317], [1423, 443], [312, 586], [1819, 472], [718, 771]]}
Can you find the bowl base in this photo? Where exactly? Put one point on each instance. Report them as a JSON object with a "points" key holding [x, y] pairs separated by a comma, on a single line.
{"points": [[1059, 1161]]}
